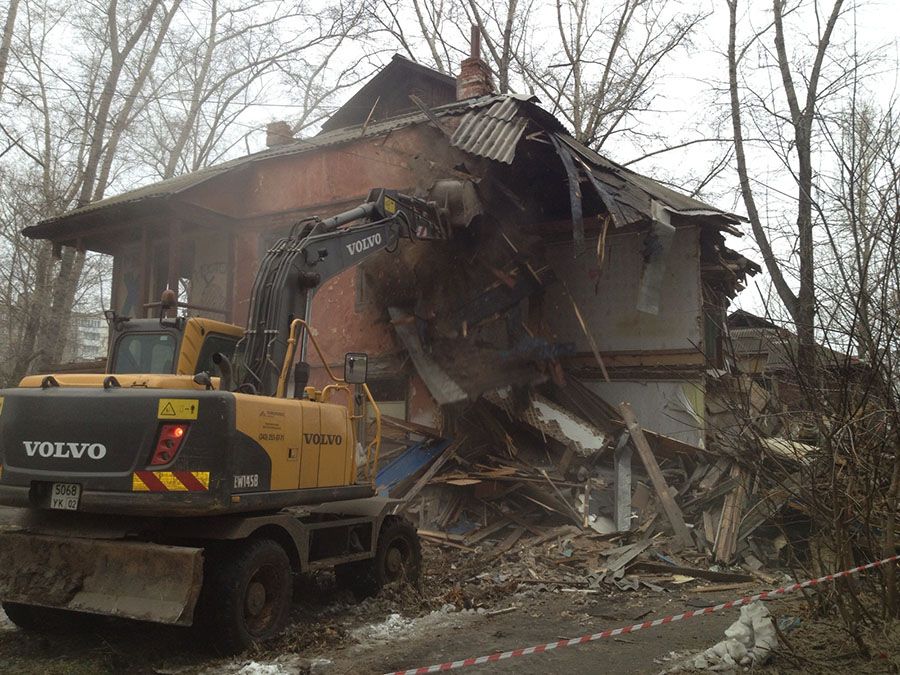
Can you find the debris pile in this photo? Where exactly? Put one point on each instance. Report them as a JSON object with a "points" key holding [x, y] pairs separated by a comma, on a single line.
{"points": [[551, 499]]}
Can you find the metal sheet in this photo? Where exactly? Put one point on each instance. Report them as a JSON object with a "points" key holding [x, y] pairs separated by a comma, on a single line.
{"points": [[635, 192], [409, 462], [493, 132], [657, 250], [568, 160], [442, 387], [668, 407]]}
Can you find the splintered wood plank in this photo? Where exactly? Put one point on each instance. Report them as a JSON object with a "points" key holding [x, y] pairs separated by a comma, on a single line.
{"points": [[673, 513], [411, 427], [730, 522], [700, 573], [478, 535], [509, 542], [628, 555]]}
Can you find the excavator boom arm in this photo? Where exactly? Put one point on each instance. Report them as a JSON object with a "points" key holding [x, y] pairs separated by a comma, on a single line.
{"points": [[312, 253]]}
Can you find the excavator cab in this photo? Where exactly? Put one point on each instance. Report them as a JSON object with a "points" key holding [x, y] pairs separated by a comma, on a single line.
{"points": [[179, 346]]}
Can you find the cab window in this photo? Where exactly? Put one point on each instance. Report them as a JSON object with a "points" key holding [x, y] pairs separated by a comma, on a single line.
{"points": [[212, 344], [145, 353]]}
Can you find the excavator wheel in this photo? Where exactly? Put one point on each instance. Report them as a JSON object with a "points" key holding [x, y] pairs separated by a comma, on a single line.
{"points": [[246, 595], [37, 619], [398, 558]]}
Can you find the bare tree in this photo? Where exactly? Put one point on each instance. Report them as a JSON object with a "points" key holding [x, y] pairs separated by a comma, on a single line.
{"points": [[222, 63], [115, 42], [441, 25], [793, 143], [831, 251], [604, 71], [159, 82], [5, 43]]}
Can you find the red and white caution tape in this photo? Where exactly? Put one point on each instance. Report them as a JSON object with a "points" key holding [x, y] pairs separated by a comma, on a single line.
{"points": [[613, 632]]}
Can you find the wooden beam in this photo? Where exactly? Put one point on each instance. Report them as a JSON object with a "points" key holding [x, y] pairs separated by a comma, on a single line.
{"points": [[174, 251], [730, 521], [146, 257], [693, 572], [622, 463], [673, 513], [410, 427], [641, 359]]}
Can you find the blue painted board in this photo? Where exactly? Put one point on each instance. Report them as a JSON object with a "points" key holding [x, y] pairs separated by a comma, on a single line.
{"points": [[408, 463]]}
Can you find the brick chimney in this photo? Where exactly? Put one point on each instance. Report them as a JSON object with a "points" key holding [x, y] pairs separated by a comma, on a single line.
{"points": [[474, 78], [278, 133]]}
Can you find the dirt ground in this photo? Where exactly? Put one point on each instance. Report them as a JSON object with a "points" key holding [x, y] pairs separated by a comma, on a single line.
{"points": [[332, 634]]}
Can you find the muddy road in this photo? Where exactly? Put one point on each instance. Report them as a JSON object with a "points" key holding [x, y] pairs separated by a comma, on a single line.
{"points": [[461, 611], [331, 633]]}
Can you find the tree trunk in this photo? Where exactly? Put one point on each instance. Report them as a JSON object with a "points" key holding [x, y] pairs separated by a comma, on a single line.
{"points": [[890, 545], [53, 336], [5, 44], [36, 312]]}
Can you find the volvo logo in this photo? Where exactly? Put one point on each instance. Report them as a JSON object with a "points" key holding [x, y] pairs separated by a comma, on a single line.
{"points": [[322, 439], [64, 450], [364, 244]]}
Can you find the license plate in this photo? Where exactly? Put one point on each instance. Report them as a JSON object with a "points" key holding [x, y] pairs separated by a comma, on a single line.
{"points": [[65, 496]]}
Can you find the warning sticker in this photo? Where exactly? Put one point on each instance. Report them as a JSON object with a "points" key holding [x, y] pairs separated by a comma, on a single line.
{"points": [[178, 409]]}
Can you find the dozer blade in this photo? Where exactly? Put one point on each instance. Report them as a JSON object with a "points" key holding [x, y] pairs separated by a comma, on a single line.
{"points": [[136, 580]]}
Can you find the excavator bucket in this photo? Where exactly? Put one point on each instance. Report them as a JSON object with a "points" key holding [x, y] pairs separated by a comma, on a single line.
{"points": [[458, 200], [135, 580]]}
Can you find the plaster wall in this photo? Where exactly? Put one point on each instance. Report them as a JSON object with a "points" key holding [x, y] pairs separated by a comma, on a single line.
{"points": [[607, 298], [673, 408]]}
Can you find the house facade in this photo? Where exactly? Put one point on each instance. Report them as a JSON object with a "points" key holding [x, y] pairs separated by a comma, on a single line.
{"points": [[571, 267]]}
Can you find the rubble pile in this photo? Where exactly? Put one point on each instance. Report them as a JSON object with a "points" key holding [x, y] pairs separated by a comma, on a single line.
{"points": [[607, 504]]}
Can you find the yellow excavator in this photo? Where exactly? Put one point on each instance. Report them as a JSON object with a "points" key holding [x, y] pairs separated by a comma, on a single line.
{"points": [[191, 480]]}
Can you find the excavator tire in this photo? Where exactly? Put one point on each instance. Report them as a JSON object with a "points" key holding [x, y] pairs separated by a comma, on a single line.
{"points": [[246, 596], [398, 558], [37, 619]]}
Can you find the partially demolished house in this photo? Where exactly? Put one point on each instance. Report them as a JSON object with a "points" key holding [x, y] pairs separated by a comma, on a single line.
{"points": [[577, 283]]}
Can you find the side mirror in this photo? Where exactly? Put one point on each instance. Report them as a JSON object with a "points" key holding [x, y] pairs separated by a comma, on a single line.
{"points": [[356, 366]]}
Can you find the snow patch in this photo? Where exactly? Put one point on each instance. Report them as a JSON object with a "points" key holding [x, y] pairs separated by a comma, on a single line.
{"points": [[288, 664], [393, 626], [398, 627]]}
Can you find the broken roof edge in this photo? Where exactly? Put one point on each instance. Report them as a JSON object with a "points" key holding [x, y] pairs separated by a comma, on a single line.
{"points": [[676, 202]]}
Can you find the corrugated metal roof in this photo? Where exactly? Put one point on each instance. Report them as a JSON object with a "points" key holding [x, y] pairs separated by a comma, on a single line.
{"points": [[493, 132]]}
